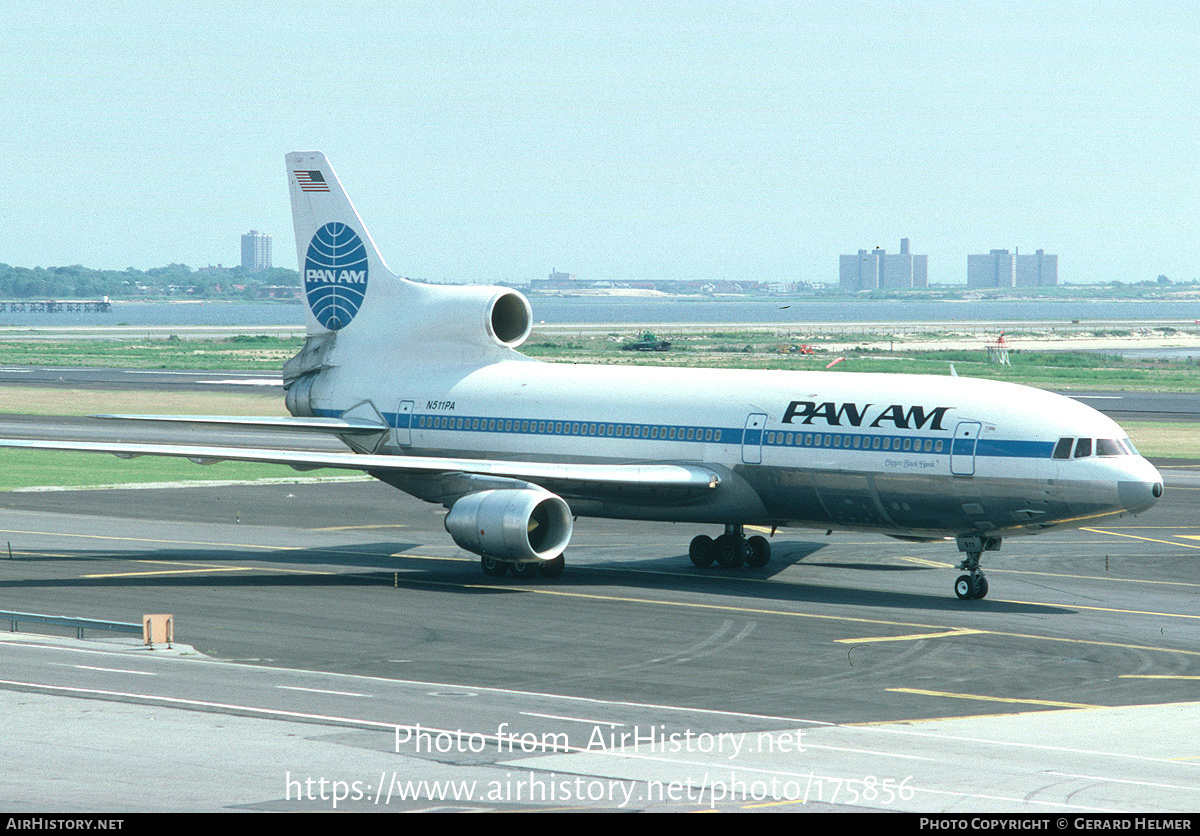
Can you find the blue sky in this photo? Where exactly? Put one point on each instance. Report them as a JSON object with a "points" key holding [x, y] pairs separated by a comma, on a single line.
{"points": [[486, 141]]}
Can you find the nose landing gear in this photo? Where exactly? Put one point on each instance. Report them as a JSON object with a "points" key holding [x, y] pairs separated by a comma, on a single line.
{"points": [[973, 585]]}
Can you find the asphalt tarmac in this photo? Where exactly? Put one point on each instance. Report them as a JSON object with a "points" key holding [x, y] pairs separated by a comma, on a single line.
{"points": [[1085, 649], [335, 648]]}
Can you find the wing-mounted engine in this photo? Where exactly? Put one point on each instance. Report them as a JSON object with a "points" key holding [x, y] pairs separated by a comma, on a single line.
{"points": [[515, 525]]}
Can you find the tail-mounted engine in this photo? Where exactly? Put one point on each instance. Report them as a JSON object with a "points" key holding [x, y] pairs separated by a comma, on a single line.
{"points": [[509, 318], [493, 317]]}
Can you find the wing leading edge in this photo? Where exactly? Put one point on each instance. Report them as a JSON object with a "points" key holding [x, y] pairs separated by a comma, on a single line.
{"points": [[335, 426], [644, 476]]}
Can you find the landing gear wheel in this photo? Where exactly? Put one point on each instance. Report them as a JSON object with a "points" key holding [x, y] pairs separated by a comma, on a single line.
{"points": [[731, 551], [524, 570], [980, 587], [970, 587], [702, 551], [492, 567], [962, 587], [552, 568], [759, 549]]}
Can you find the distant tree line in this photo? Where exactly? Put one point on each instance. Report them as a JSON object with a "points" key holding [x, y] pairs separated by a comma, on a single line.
{"points": [[174, 280]]}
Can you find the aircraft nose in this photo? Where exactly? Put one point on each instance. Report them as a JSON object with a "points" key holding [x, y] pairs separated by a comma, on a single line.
{"points": [[1140, 488]]}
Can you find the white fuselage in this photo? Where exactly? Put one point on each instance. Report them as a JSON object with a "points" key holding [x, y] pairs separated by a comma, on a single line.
{"points": [[910, 455]]}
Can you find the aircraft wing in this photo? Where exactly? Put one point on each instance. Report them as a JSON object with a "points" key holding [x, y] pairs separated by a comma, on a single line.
{"points": [[337, 426], [686, 477]]}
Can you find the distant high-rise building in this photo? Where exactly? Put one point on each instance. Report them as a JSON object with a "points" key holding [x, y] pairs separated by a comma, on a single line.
{"points": [[1000, 268], [995, 269], [1037, 270], [876, 269], [256, 251]]}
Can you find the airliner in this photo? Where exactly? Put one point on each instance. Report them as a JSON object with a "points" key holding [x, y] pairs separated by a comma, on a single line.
{"points": [[425, 386]]}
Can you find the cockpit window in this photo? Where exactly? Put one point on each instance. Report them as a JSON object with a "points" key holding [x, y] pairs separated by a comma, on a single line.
{"points": [[1103, 447]]}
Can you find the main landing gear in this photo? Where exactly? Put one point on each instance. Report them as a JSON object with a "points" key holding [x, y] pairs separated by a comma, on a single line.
{"points": [[730, 550], [974, 584], [494, 567]]}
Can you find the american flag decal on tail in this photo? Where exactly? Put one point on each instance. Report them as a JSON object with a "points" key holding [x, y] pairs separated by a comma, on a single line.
{"points": [[311, 181]]}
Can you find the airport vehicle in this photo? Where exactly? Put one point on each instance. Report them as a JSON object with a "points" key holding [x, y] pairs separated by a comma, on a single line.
{"points": [[426, 387]]}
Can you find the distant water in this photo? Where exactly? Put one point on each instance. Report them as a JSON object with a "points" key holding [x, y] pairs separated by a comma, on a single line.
{"points": [[557, 310], [583, 310]]}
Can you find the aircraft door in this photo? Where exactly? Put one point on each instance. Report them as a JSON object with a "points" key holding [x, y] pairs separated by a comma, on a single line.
{"points": [[404, 424], [752, 438], [962, 449]]}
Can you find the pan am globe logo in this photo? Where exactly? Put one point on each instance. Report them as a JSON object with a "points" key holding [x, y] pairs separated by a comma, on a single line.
{"points": [[335, 275]]}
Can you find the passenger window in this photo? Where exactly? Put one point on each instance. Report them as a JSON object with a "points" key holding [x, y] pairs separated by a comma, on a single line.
{"points": [[1062, 450], [1083, 448]]}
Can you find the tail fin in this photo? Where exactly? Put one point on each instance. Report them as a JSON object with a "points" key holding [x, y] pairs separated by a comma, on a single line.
{"points": [[364, 320], [336, 255]]}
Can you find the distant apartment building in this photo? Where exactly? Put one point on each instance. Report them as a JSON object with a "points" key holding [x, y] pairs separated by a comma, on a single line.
{"points": [[256, 251], [879, 270], [1000, 268], [1037, 270]]}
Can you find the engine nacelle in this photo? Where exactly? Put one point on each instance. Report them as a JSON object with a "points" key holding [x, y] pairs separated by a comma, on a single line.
{"points": [[487, 316], [518, 525], [508, 318]]}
